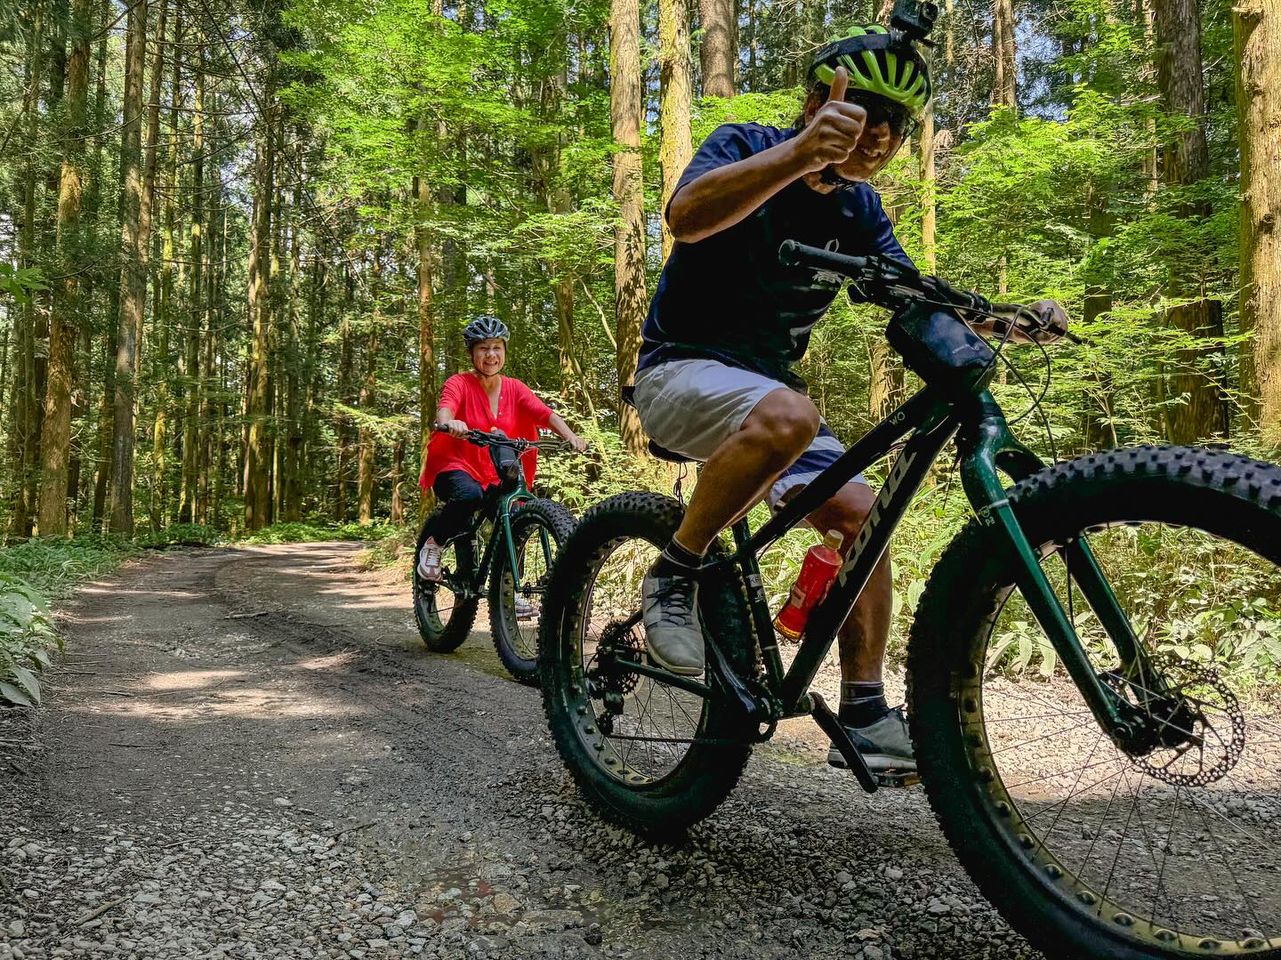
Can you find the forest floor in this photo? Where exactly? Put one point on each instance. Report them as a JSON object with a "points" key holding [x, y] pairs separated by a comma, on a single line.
{"points": [[247, 753]]}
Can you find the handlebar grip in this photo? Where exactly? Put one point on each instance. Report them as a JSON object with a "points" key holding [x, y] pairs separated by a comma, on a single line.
{"points": [[793, 254]]}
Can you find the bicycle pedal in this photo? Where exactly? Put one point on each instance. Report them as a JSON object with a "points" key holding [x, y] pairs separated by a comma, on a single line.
{"points": [[897, 778]]}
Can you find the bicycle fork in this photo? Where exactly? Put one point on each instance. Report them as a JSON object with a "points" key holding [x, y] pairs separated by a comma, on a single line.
{"points": [[990, 447]]}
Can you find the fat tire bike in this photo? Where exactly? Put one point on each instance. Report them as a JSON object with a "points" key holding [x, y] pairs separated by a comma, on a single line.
{"points": [[1126, 806], [526, 532]]}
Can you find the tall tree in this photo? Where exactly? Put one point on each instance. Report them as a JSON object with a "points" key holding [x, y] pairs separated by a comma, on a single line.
{"points": [[1197, 408], [674, 146], [1005, 54], [1257, 41], [133, 275], [258, 446], [65, 320], [718, 52], [625, 109]]}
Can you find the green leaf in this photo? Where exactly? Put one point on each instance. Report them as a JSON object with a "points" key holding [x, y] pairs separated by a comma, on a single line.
{"points": [[11, 694], [27, 680]]}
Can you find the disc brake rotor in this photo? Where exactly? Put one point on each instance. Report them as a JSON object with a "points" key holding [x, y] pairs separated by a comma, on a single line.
{"points": [[1198, 733]]}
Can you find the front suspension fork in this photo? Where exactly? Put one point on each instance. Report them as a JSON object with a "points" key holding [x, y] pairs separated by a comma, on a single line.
{"points": [[990, 447]]}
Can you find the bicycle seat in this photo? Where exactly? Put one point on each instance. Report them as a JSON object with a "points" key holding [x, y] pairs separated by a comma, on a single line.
{"points": [[662, 453]]}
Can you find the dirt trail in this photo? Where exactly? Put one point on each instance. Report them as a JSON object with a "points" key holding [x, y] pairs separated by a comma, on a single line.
{"points": [[246, 753]]}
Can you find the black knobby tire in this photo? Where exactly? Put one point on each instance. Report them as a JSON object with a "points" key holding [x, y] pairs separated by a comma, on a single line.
{"points": [[444, 633], [707, 772], [1226, 496], [517, 641]]}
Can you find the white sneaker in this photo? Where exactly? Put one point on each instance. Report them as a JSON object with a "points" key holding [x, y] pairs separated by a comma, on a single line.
{"points": [[429, 561], [524, 609]]}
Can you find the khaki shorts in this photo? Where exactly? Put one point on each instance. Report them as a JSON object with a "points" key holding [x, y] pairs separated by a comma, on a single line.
{"points": [[691, 407]]}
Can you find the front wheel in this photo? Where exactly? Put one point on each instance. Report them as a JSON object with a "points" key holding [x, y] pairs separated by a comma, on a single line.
{"points": [[1171, 847], [539, 529]]}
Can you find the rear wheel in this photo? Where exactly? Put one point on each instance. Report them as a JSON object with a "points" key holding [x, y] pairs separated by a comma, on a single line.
{"points": [[1168, 848], [446, 609], [651, 757], [539, 529]]}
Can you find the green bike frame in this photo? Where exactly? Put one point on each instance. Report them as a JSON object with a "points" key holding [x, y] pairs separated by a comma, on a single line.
{"points": [[988, 449]]}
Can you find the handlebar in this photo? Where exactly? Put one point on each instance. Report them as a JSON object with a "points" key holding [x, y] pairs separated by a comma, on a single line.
{"points": [[895, 285], [482, 439]]}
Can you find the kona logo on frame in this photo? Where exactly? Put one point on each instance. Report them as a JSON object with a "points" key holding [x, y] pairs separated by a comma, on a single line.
{"points": [[892, 483]]}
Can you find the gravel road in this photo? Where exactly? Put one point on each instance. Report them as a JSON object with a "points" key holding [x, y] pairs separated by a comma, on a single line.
{"points": [[247, 753]]}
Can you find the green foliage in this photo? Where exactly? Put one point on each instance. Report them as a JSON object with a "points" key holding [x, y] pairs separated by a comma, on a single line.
{"points": [[307, 532], [26, 637]]}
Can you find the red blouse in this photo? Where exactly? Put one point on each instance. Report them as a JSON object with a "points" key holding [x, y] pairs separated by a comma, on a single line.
{"points": [[520, 415]]}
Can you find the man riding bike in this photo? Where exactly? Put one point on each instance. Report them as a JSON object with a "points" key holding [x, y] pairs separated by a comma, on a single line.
{"points": [[481, 399], [714, 380]]}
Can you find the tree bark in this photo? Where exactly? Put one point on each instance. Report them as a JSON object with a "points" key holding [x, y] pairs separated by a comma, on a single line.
{"points": [[1177, 24], [1199, 409], [1005, 53], [258, 446], [65, 319], [929, 183], [674, 145], [427, 388], [1257, 35], [630, 300], [133, 277], [194, 313], [718, 52], [161, 320]]}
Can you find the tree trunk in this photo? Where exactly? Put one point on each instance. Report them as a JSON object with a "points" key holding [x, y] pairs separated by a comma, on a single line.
{"points": [[929, 207], [718, 52], [258, 447], [195, 299], [1179, 76], [427, 389], [1201, 411], [629, 192], [133, 277], [161, 320], [887, 388], [1257, 32], [1005, 53], [674, 145], [65, 320]]}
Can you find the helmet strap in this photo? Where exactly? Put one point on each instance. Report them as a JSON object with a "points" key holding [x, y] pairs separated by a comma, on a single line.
{"points": [[829, 176]]}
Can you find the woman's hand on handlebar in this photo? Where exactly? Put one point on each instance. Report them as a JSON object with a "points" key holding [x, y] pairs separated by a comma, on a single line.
{"points": [[455, 428]]}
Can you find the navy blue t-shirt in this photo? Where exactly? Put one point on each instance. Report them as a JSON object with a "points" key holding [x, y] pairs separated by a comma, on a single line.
{"points": [[728, 298]]}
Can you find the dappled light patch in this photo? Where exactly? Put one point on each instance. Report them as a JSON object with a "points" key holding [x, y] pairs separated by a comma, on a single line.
{"points": [[188, 679]]}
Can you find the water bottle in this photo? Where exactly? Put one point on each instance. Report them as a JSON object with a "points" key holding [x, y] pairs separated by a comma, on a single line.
{"points": [[817, 573]]}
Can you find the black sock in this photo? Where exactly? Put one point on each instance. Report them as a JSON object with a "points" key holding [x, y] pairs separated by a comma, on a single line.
{"points": [[675, 560], [862, 704]]}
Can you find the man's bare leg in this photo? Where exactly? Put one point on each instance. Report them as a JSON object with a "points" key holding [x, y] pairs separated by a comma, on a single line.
{"points": [[774, 434], [742, 469]]}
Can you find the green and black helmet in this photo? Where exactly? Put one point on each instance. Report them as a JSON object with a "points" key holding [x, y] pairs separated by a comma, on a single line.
{"points": [[879, 62]]}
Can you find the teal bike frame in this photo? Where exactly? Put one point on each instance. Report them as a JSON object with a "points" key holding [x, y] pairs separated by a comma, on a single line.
{"points": [[499, 511]]}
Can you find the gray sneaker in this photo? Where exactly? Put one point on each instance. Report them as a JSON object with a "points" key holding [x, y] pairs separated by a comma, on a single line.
{"points": [[672, 633], [885, 745]]}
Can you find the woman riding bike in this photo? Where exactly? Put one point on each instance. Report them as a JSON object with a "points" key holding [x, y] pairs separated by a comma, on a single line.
{"points": [[460, 473]]}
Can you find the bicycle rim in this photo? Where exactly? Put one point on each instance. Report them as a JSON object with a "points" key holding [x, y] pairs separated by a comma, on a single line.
{"points": [[1174, 850], [523, 601], [437, 600], [647, 735]]}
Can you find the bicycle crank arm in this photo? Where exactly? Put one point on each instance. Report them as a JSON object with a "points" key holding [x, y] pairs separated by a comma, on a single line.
{"points": [[830, 725]]}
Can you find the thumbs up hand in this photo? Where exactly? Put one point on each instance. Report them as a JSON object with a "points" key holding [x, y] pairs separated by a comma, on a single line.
{"points": [[834, 132]]}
